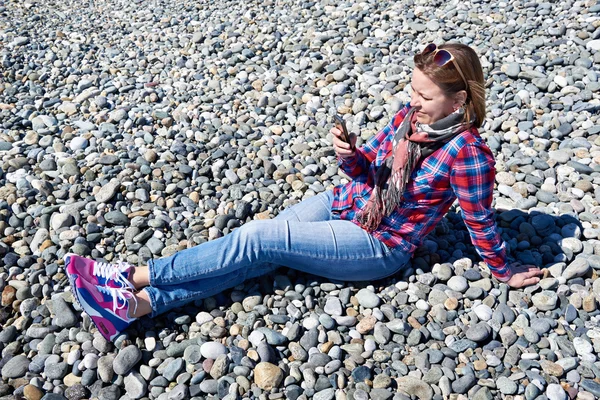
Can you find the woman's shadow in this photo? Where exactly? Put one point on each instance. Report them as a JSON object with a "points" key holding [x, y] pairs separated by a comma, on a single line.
{"points": [[533, 238]]}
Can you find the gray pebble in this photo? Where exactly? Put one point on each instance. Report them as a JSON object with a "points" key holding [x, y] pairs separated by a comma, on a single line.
{"points": [[506, 386], [367, 298], [478, 332], [15, 367], [126, 359]]}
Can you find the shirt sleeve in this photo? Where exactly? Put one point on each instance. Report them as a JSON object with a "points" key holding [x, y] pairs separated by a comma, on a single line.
{"points": [[472, 179], [364, 156], [357, 165]]}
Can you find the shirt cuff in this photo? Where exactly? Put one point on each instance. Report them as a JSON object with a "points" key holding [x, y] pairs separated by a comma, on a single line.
{"points": [[505, 277], [349, 162]]}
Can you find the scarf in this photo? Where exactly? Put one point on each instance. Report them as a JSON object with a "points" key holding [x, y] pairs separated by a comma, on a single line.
{"points": [[412, 141]]}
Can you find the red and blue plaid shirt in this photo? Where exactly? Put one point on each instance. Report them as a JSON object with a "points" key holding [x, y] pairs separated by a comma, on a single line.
{"points": [[462, 168]]}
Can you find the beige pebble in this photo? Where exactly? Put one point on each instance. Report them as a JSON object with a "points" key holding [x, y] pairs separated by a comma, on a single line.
{"points": [[71, 380], [575, 300], [325, 347], [366, 324], [451, 303], [32, 393], [412, 321], [480, 365], [253, 355], [589, 303], [244, 344], [267, 376], [551, 368], [235, 330], [195, 197]]}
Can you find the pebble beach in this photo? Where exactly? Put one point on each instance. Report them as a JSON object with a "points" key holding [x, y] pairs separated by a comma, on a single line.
{"points": [[132, 130]]}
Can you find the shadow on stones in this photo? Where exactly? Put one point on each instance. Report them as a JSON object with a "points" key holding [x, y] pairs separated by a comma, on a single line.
{"points": [[531, 237]]}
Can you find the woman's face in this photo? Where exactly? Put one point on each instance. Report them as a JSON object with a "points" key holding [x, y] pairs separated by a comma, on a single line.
{"points": [[431, 102]]}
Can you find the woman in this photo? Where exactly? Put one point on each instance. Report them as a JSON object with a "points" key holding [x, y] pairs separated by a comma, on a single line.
{"points": [[404, 179]]}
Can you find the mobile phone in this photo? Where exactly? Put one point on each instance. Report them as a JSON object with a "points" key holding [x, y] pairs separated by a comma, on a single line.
{"points": [[341, 125]]}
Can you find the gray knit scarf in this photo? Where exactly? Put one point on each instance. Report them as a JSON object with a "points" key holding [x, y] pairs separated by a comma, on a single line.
{"points": [[408, 148]]}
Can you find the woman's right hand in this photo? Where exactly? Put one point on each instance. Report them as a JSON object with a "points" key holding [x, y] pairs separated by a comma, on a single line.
{"points": [[343, 149], [524, 275]]}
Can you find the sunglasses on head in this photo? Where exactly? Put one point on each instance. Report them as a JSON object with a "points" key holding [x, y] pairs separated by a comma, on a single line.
{"points": [[442, 57]]}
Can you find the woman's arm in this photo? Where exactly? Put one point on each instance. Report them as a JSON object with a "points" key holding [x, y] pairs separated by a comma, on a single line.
{"points": [[357, 163], [472, 179]]}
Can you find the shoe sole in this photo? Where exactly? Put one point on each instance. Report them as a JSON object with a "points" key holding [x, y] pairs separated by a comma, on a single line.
{"points": [[71, 279], [103, 324]]}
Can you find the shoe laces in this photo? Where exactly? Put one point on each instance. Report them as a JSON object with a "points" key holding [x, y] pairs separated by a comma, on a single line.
{"points": [[113, 271], [117, 294]]}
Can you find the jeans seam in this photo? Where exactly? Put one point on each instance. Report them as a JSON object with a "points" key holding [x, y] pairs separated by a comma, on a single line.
{"points": [[295, 214], [327, 203], [391, 273], [169, 282], [151, 272]]}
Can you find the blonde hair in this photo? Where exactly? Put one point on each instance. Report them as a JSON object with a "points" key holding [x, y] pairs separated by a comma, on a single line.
{"points": [[449, 80]]}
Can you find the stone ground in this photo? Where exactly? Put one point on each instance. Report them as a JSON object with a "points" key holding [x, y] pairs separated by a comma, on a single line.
{"points": [[131, 130]]}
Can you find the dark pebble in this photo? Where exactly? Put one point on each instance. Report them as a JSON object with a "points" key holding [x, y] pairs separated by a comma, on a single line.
{"points": [[463, 384], [361, 374], [591, 386]]}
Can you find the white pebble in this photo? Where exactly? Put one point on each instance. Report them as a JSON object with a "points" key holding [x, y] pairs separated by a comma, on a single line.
{"points": [[423, 305], [458, 283], [73, 356], [203, 317], [150, 343], [78, 143], [353, 333], [370, 345], [90, 361], [582, 346], [212, 350], [483, 312], [310, 323]]}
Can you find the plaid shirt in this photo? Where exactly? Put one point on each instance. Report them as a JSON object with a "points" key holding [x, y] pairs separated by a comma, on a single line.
{"points": [[462, 168]]}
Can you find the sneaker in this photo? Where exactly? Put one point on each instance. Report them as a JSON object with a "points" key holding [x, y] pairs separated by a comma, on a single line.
{"points": [[108, 307], [99, 273]]}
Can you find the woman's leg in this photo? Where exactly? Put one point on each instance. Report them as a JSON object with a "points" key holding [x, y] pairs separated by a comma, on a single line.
{"points": [[334, 249], [331, 248]]}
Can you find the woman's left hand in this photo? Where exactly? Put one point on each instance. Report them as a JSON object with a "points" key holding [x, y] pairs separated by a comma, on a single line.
{"points": [[524, 275]]}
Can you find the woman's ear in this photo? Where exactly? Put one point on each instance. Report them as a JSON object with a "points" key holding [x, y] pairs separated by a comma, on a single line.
{"points": [[460, 99]]}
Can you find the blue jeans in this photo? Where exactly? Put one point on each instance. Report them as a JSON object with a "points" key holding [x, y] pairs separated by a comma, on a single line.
{"points": [[306, 237]]}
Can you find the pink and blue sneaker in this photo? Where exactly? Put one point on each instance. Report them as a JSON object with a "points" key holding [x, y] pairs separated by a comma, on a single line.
{"points": [[108, 307], [115, 275]]}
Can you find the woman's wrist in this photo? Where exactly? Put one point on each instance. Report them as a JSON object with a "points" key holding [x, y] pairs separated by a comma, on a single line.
{"points": [[504, 277], [346, 159]]}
